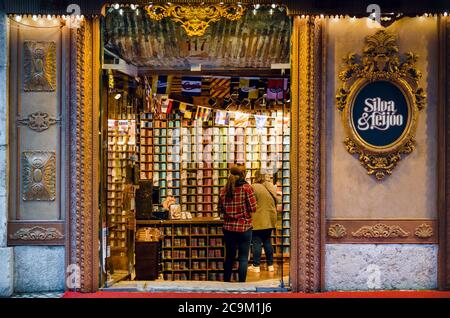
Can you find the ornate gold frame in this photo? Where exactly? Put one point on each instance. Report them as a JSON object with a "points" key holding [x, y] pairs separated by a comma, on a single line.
{"points": [[195, 19], [380, 62]]}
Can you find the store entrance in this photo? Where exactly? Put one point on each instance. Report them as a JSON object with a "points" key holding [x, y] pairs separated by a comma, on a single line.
{"points": [[170, 137]]}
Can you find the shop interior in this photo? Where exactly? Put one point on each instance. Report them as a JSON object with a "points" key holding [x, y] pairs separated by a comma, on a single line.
{"points": [[169, 136]]}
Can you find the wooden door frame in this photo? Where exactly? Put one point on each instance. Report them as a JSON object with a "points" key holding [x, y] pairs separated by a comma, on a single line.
{"points": [[307, 244], [443, 170]]}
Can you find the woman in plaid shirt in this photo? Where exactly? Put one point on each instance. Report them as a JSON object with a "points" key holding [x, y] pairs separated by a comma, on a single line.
{"points": [[237, 203]]}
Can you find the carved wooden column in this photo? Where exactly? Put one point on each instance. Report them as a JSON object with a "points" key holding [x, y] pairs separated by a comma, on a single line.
{"points": [[84, 150], [305, 154], [444, 153]]}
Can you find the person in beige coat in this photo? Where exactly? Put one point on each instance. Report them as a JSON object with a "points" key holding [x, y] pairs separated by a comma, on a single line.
{"points": [[264, 221]]}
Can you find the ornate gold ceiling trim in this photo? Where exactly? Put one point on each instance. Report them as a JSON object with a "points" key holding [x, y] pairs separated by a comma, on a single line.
{"points": [[195, 19]]}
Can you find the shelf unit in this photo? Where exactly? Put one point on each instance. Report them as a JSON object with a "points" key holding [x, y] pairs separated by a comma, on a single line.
{"points": [[172, 155], [191, 250], [121, 145]]}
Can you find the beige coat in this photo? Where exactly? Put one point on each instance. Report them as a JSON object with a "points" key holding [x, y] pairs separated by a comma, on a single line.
{"points": [[265, 216]]}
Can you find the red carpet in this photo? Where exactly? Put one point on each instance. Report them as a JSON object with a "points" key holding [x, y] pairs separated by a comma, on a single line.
{"points": [[377, 294]]}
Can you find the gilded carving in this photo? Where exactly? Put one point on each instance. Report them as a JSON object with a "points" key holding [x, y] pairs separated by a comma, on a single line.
{"points": [[38, 176], [37, 233], [337, 231], [39, 66], [381, 63], [38, 121], [195, 19], [424, 231], [380, 231]]}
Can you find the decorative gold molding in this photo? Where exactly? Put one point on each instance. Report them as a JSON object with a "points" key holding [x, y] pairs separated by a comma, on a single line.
{"points": [[306, 78], [39, 66], [37, 233], [195, 19], [380, 231], [424, 231], [38, 175], [38, 121], [380, 62], [337, 231]]}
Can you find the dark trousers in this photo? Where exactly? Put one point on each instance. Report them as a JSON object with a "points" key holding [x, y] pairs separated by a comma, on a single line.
{"points": [[239, 241], [262, 238]]}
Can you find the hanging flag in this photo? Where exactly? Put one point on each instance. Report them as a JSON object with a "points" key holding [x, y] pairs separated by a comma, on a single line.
{"points": [[183, 107], [248, 87], [206, 86], [191, 86], [175, 106], [202, 113], [277, 88], [161, 84], [165, 106], [241, 119], [260, 121], [220, 87], [222, 118], [187, 110], [175, 87]]}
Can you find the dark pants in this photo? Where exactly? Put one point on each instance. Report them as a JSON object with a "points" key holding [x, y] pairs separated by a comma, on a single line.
{"points": [[262, 238], [241, 242]]}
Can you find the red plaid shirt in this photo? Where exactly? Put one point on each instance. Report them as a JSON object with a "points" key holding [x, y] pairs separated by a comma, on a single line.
{"points": [[237, 210]]}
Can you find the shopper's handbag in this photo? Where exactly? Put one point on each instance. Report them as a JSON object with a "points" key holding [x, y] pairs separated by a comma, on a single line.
{"points": [[271, 194]]}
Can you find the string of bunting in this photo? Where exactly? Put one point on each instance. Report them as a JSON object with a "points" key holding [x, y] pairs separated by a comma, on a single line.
{"points": [[220, 86], [220, 117]]}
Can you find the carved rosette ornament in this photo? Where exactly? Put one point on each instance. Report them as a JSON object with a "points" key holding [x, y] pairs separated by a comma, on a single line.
{"points": [[38, 176], [38, 121], [379, 101], [37, 233], [424, 231], [337, 231], [380, 231], [39, 66], [195, 19]]}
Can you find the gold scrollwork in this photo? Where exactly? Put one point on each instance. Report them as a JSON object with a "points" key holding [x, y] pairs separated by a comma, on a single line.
{"points": [[195, 19], [424, 231], [39, 175], [39, 66], [380, 231], [38, 121], [337, 231], [380, 62], [37, 233]]}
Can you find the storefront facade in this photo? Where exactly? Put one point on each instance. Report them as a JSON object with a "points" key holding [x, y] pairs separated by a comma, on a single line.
{"points": [[349, 230]]}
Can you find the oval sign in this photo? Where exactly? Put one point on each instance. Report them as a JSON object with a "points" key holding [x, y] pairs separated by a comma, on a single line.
{"points": [[380, 114]]}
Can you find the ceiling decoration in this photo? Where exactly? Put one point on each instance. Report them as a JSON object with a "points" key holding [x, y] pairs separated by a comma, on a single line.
{"points": [[195, 19], [255, 41]]}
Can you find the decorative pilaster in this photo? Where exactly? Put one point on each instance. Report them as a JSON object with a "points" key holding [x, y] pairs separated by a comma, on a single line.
{"points": [[83, 189], [305, 154]]}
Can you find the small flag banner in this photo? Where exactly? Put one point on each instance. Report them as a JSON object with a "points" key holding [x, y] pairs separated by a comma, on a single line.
{"points": [[165, 106], [191, 86], [176, 85], [206, 86], [260, 121], [277, 88], [161, 84], [220, 87], [241, 119], [202, 113], [249, 87], [222, 118], [188, 112]]}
